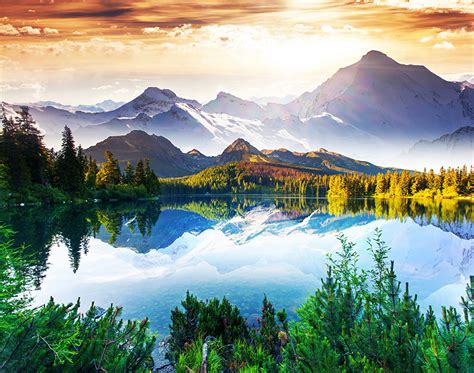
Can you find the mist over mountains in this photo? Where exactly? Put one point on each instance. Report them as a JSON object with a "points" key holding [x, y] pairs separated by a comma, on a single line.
{"points": [[169, 161], [373, 104]]}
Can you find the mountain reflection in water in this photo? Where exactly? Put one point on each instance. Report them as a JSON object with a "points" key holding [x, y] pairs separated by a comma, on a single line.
{"points": [[145, 255]]}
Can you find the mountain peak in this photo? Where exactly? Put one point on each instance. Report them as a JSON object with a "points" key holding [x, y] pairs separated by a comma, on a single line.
{"points": [[195, 153], [243, 146], [222, 95], [156, 92], [374, 57], [226, 103]]}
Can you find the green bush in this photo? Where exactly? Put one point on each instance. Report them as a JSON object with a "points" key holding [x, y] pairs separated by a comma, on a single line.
{"points": [[199, 320], [121, 192], [56, 337], [357, 321]]}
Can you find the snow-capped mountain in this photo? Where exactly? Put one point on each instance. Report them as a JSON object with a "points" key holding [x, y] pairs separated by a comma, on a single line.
{"points": [[185, 125], [376, 103], [100, 107], [151, 102], [225, 103], [389, 100], [453, 149]]}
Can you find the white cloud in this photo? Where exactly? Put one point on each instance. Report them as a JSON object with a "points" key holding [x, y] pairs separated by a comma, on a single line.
{"points": [[34, 86], [28, 30], [50, 31], [183, 30], [444, 45], [423, 4], [300, 27], [468, 76], [426, 39], [8, 30], [78, 33], [102, 88], [179, 31], [327, 29], [456, 33], [153, 30], [121, 90], [7, 87]]}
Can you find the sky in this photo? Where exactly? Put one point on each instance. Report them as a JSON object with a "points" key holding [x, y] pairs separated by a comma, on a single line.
{"points": [[86, 51]]}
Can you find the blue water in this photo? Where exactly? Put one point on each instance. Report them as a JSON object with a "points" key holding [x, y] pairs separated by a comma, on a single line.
{"points": [[145, 256]]}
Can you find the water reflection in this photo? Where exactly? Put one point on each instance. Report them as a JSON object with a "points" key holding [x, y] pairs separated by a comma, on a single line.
{"points": [[149, 225], [145, 255]]}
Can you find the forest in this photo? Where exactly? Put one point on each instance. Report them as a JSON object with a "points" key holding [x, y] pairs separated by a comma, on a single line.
{"points": [[248, 177], [29, 172], [357, 321]]}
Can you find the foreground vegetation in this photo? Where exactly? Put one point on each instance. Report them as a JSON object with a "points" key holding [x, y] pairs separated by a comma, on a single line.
{"points": [[29, 172], [248, 177], [357, 321], [57, 337]]}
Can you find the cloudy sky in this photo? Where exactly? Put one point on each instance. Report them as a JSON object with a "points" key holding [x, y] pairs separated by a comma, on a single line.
{"points": [[84, 51]]}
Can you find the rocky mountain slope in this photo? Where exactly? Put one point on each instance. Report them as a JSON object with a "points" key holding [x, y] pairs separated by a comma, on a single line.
{"points": [[169, 161]]}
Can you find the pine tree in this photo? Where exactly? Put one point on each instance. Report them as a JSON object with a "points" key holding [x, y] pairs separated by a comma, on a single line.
{"points": [[91, 173], [129, 174], [151, 180], [70, 165], [22, 151], [139, 178], [31, 145], [109, 173]]}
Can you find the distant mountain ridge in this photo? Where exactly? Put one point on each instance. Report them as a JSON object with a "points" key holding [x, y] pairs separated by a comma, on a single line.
{"points": [[456, 148], [375, 103], [169, 161], [100, 107]]}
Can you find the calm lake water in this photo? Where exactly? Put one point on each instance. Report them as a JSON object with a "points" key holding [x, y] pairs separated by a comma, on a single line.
{"points": [[144, 256]]}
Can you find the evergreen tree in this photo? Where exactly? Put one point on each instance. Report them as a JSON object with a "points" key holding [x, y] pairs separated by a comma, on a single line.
{"points": [[139, 178], [129, 174], [23, 152], [151, 180], [69, 165], [91, 173], [109, 173], [31, 145]]}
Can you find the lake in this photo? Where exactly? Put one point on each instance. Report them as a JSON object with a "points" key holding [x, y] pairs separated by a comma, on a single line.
{"points": [[146, 255]]}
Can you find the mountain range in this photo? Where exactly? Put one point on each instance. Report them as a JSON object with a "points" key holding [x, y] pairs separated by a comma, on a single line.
{"points": [[100, 107], [169, 161], [456, 149], [375, 103]]}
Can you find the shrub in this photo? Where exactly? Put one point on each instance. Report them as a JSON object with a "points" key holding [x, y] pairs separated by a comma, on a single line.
{"points": [[56, 337], [357, 321]]}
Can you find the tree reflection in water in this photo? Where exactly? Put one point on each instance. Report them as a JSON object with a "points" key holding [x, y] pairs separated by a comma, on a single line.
{"points": [[38, 228]]}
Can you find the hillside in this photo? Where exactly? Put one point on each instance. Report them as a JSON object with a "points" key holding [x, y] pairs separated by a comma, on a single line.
{"points": [[165, 159], [169, 161]]}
